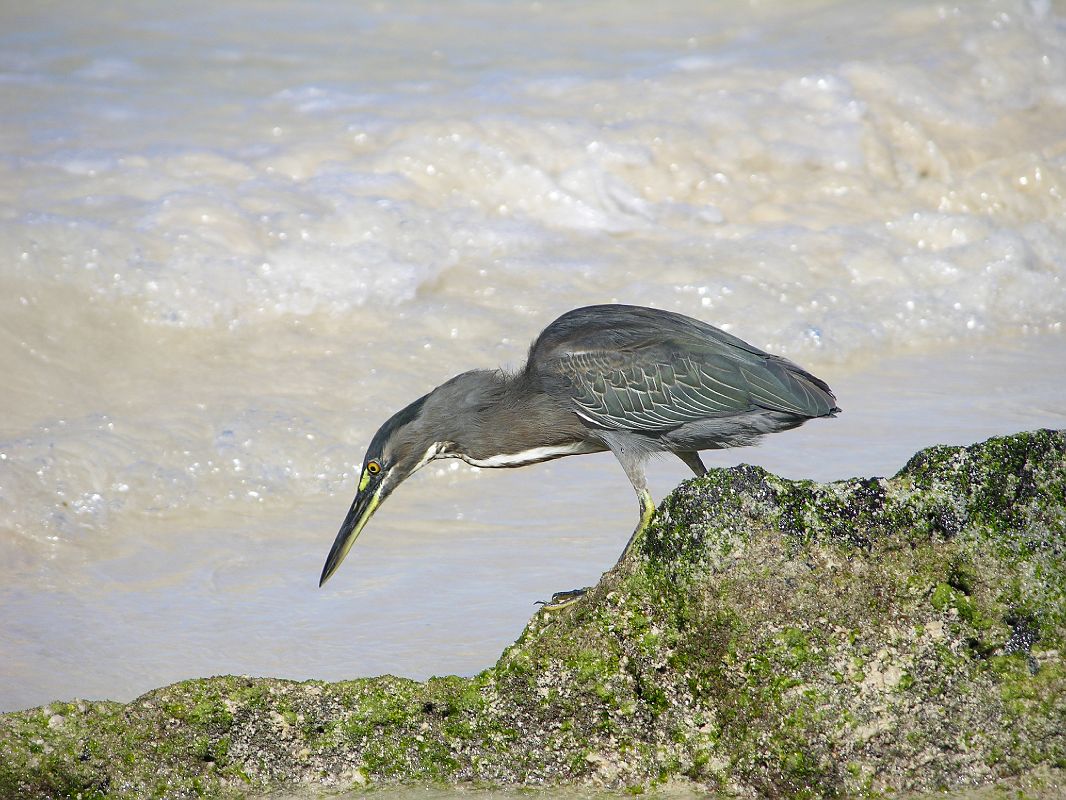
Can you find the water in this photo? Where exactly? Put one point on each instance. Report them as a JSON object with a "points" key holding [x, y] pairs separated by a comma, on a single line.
{"points": [[235, 237]]}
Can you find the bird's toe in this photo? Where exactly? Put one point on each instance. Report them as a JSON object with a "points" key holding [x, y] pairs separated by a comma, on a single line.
{"points": [[563, 599]]}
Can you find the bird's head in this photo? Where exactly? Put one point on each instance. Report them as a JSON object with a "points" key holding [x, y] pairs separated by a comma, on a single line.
{"points": [[432, 426], [400, 447]]}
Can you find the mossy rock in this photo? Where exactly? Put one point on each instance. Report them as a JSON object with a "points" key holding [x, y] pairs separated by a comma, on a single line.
{"points": [[766, 638]]}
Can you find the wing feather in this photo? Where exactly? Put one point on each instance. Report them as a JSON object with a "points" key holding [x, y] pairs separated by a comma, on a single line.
{"points": [[628, 368], [655, 391], [649, 396]]}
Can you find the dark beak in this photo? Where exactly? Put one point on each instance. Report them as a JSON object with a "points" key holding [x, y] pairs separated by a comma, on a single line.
{"points": [[363, 507]]}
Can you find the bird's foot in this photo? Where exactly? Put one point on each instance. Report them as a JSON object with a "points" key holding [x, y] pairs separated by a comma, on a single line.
{"points": [[563, 599]]}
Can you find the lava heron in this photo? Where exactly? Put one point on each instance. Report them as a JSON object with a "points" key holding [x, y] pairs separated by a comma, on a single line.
{"points": [[632, 380]]}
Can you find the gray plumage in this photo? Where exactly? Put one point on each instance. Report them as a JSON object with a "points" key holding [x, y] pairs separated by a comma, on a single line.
{"points": [[632, 380]]}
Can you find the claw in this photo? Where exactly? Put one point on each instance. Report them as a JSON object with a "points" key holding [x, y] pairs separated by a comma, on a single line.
{"points": [[563, 599]]}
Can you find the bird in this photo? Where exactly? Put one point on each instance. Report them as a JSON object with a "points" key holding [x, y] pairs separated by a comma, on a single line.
{"points": [[633, 380]]}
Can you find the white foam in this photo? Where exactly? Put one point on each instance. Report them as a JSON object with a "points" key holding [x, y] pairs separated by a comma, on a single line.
{"points": [[727, 167]]}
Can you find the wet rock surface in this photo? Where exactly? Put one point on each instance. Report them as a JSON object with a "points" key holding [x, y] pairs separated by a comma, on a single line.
{"points": [[767, 638]]}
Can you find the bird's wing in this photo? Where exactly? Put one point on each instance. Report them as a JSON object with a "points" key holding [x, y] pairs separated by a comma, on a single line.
{"points": [[652, 390], [632, 368]]}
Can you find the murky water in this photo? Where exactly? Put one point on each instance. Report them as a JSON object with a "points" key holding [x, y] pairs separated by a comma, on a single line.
{"points": [[235, 237]]}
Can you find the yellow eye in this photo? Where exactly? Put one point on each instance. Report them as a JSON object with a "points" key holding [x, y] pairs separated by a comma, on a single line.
{"points": [[373, 467]]}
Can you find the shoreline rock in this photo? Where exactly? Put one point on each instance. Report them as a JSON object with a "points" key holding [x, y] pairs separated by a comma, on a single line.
{"points": [[767, 637]]}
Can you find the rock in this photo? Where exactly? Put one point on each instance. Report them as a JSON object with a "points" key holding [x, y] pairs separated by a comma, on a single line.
{"points": [[766, 638]]}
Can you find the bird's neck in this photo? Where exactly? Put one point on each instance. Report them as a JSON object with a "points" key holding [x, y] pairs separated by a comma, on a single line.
{"points": [[507, 422]]}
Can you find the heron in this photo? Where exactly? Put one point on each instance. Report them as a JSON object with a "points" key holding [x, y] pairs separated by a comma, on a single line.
{"points": [[633, 380]]}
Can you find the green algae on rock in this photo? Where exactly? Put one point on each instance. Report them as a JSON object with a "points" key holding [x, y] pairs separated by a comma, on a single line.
{"points": [[767, 637]]}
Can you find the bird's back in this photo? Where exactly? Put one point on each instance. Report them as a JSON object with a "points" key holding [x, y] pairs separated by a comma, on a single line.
{"points": [[624, 327], [635, 368]]}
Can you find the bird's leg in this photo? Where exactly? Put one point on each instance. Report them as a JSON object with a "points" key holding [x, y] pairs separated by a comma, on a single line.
{"points": [[693, 462], [647, 509], [632, 461], [631, 458]]}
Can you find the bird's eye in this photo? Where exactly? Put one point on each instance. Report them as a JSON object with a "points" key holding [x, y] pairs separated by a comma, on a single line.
{"points": [[373, 467]]}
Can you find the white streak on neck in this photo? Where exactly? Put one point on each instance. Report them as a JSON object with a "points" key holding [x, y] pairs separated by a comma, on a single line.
{"points": [[434, 451], [531, 456]]}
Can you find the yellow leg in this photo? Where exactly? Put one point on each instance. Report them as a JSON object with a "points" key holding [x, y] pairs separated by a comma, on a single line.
{"points": [[647, 510]]}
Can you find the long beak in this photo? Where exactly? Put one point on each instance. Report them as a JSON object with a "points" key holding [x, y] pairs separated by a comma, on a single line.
{"points": [[363, 507]]}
